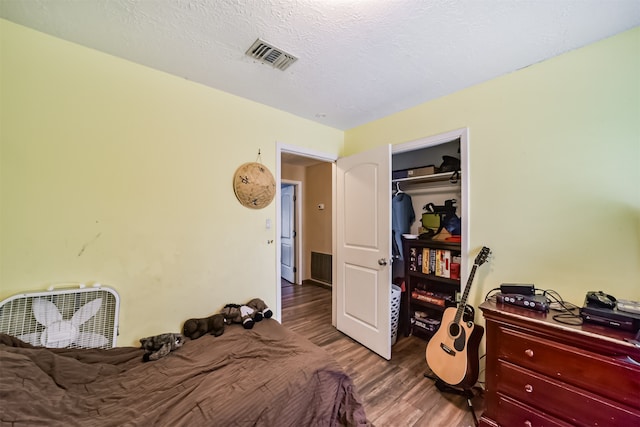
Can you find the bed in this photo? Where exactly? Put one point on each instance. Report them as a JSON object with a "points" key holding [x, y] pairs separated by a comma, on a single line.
{"points": [[265, 376]]}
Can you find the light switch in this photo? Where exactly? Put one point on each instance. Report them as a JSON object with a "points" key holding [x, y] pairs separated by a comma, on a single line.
{"points": [[268, 224]]}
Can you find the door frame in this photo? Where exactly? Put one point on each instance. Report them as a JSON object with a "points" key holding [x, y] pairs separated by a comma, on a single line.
{"points": [[298, 228], [314, 154]]}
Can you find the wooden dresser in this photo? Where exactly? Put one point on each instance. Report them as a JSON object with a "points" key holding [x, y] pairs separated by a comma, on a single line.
{"points": [[540, 372]]}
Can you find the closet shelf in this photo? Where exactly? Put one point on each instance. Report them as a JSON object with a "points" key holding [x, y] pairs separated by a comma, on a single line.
{"points": [[436, 177]]}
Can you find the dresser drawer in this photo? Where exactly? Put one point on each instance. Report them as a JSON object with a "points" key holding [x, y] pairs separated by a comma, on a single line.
{"points": [[615, 379], [510, 413], [556, 398]]}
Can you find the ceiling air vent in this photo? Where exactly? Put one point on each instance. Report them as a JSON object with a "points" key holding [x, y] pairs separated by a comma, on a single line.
{"points": [[265, 53]]}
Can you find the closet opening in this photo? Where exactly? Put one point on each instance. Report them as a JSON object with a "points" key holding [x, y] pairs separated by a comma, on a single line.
{"points": [[428, 207]]}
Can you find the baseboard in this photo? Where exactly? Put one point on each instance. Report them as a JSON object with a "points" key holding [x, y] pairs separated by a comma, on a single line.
{"points": [[316, 283]]}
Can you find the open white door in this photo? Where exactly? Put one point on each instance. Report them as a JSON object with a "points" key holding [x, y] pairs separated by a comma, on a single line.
{"points": [[287, 233], [364, 248]]}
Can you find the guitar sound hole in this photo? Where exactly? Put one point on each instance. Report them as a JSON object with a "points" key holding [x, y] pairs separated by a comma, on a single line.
{"points": [[454, 329]]}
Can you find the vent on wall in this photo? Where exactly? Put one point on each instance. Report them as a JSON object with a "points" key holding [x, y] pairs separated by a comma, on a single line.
{"points": [[321, 267], [268, 54]]}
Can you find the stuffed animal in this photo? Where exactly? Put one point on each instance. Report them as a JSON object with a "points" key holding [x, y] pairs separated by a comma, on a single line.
{"points": [[195, 328], [236, 313], [159, 346], [260, 308]]}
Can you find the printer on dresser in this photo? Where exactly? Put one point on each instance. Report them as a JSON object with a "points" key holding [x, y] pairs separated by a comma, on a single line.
{"points": [[540, 372]]}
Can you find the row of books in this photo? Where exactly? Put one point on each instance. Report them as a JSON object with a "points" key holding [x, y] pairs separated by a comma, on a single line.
{"points": [[434, 298], [434, 261]]}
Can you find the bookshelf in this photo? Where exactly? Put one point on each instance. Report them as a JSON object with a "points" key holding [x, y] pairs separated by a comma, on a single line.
{"points": [[431, 283]]}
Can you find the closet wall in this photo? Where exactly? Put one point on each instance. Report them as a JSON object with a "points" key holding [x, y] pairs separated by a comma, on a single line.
{"points": [[436, 193]]}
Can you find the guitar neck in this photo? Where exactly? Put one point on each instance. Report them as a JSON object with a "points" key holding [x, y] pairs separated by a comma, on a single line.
{"points": [[465, 294]]}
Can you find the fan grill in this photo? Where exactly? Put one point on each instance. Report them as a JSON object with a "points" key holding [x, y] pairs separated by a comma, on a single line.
{"points": [[17, 315]]}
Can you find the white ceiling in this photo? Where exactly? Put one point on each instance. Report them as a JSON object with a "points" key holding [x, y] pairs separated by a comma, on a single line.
{"points": [[359, 60]]}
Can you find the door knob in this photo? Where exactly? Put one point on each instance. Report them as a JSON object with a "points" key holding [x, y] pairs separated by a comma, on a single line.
{"points": [[382, 261]]}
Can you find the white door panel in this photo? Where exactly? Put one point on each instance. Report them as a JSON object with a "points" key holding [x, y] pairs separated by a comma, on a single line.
{"points": [[360, 231], [363, 248], [357, 299], [287, 233]]}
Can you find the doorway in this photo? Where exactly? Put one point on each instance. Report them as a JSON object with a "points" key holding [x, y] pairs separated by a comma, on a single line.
{"points": [[290, 222], [298, 166]]}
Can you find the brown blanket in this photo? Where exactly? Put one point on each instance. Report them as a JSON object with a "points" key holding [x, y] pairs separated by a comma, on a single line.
{"points": [[266, 376]]}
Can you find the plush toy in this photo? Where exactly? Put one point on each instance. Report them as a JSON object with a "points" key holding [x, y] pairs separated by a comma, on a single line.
{"points": [[236, 313], [260, 308], [195, 328], [247, 314], [159, 346]]}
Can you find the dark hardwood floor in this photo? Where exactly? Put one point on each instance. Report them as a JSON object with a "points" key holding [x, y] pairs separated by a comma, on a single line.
{"points": [[394, 392]]}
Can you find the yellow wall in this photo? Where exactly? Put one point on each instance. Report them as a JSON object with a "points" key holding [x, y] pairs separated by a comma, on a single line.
{"points": [[555, 169], [292, 172], [116, 173], [318, 232]]}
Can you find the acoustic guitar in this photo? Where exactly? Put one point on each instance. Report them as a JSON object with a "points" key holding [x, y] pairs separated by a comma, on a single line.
{"points": [[452, 352]]}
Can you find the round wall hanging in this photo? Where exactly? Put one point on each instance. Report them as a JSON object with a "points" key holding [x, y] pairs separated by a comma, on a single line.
{"points": [[254, 185]]}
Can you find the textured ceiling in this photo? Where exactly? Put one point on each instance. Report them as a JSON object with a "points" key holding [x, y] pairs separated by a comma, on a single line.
{"points": [[359, 60]]}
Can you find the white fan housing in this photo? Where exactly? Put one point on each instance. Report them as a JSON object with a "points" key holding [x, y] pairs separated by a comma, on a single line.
{"points": [[74, 318]]}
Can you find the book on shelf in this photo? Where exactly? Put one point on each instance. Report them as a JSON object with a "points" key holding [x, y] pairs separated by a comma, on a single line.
{"points": [[442, 262], [413, 259], [444, 259], [430, 297], [432, 261], [426, 268], [447, 264]]}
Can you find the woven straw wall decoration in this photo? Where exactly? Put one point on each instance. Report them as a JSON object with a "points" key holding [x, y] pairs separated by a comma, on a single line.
{"points": [[254, 185]]}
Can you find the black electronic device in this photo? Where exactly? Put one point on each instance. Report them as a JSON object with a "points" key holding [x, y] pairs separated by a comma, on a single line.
{"points": [[533, 302], [601, 299], [518, 288], [595, 312], [625, 325]]}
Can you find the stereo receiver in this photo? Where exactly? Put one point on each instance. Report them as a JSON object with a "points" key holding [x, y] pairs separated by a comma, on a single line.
{"points": [[533, 302]]}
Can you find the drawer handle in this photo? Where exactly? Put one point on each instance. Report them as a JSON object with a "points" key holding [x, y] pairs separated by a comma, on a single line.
{"points": [[529, 352], [528, 388], [528, 423]]}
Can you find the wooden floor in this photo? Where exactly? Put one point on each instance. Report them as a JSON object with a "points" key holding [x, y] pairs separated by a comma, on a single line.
{"points": [[395, 392]]}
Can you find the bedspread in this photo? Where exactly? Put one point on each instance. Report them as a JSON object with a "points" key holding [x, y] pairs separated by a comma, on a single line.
{"points": [[265, 376]]}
